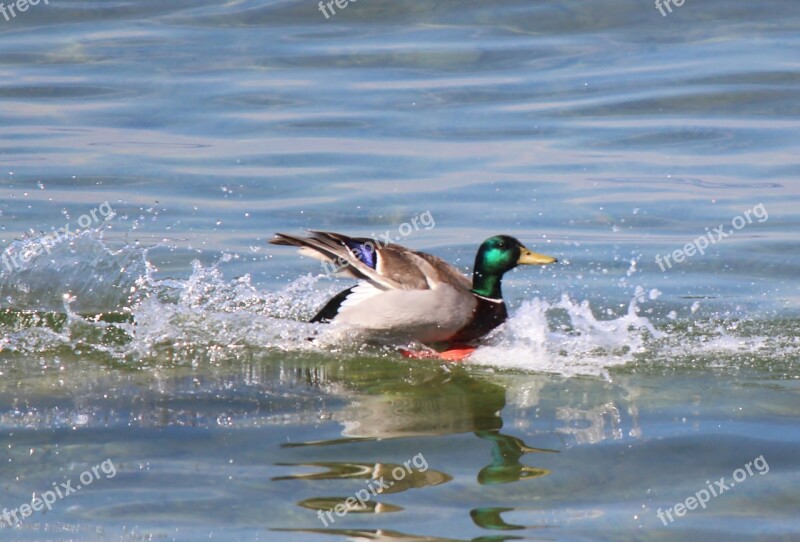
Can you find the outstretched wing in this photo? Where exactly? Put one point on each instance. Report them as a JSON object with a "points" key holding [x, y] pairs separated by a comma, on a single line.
{"points": [[408, 294], [387, 267]]}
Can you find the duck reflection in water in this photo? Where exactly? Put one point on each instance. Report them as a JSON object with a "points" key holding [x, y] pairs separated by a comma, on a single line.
{"points": [[439, 402]]}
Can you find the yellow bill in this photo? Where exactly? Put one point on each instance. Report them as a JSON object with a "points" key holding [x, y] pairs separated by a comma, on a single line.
{"points": [[527, 257]]}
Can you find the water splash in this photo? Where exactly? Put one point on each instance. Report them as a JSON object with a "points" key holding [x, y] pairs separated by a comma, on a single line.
{"points": [[88, 298], [80, 271], [575, 343]]}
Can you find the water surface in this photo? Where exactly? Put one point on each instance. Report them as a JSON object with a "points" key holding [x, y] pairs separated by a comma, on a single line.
{"points": [[165, 335]]}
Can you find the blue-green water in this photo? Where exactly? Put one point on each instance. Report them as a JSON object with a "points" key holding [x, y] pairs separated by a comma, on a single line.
{"points": [[166, 336]]}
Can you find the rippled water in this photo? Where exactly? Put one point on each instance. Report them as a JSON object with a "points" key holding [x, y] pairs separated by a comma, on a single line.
{"points": [[163, 333]]}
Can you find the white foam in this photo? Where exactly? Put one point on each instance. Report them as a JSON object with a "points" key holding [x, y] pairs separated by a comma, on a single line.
{"points": [[207, 316], [530, 340]]}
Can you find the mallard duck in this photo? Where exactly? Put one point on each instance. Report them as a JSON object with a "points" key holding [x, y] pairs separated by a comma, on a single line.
{"points": [[404, 294]]}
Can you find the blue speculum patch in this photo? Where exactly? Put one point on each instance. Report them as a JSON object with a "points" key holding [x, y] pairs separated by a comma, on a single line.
{"points": [[364, 251]]}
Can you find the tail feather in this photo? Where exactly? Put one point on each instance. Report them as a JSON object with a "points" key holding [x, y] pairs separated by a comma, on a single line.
{"points": [[327, 250], [359, 257], [285, 239], [334, 248]]}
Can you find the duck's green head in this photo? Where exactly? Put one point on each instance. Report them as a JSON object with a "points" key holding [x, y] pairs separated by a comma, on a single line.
{"points": [[497, 255]]}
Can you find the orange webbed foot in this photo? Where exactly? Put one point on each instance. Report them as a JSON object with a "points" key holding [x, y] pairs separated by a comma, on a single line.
{"points": [[455, 352]]}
